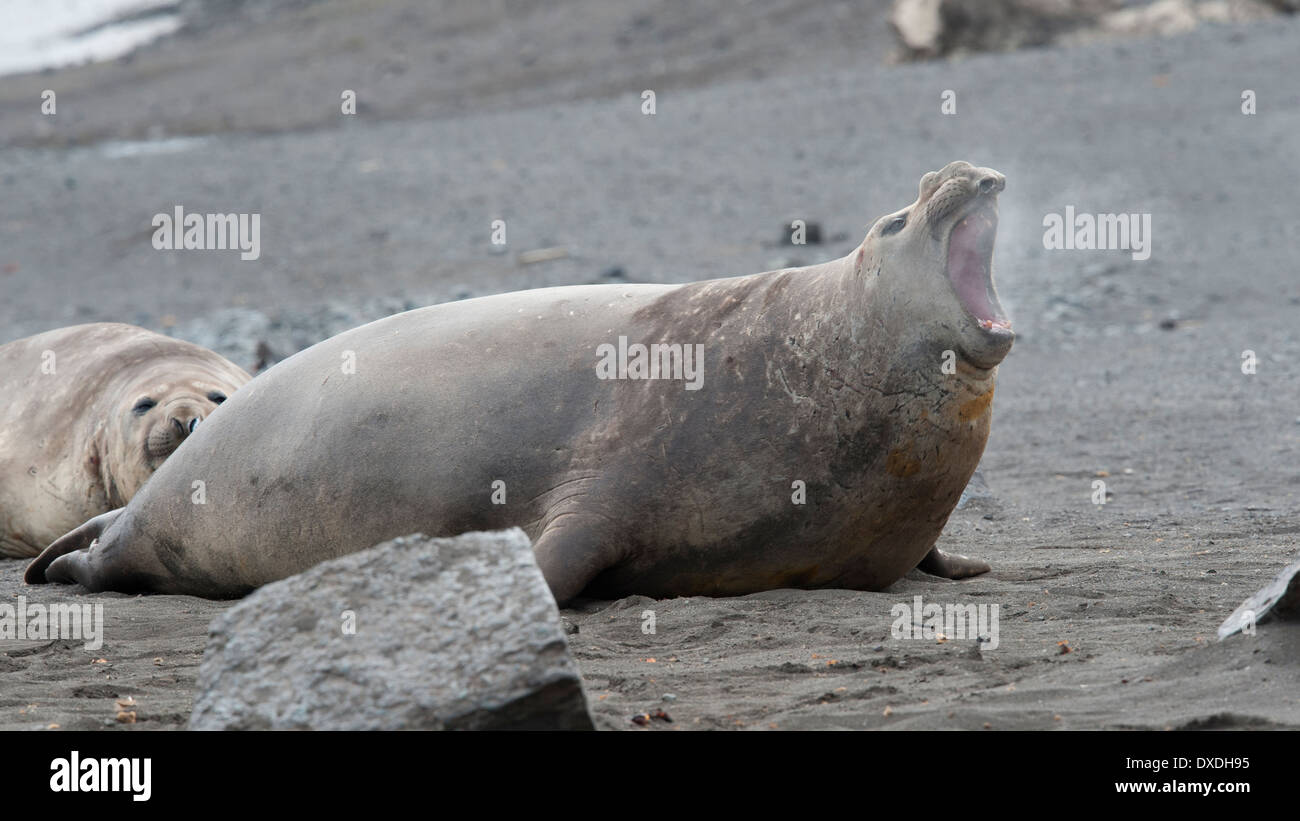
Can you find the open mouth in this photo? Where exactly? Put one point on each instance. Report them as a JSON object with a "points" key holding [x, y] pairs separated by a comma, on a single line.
{"points": [[970, 267]]}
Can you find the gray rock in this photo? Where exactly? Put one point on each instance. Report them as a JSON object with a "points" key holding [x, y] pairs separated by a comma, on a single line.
{"points": [[1279, 599], [414, 633], [933, 28], [255, 341], [1167, 18]]}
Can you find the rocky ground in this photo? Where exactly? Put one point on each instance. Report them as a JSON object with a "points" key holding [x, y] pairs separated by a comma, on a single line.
{"points": [[1128, 372]]}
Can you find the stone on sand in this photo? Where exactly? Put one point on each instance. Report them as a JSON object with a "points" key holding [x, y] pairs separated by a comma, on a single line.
{"points": [[1279, 599], [414, 633]]}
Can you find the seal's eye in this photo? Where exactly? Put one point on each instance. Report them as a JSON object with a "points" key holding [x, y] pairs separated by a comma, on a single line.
{"points": [[217, 396], [895, 225], [142, 407]]}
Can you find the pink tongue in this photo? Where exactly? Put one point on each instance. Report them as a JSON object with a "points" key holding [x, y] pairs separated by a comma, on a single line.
{"points": [[968, 255]]}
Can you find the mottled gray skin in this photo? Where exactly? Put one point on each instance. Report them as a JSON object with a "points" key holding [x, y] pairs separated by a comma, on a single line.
{"points": [[72, 445], [830, 375]]}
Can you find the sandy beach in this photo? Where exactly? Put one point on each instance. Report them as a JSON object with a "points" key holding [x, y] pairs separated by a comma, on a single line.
{"points": [[1126, 371]]}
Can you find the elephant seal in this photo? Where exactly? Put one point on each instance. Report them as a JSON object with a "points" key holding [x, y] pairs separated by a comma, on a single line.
{"points": [[87, 414], [809, 427]]}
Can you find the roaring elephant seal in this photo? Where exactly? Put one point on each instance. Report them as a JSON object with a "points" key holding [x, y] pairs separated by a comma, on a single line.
{"points": [[87, 414], [809, 427]]}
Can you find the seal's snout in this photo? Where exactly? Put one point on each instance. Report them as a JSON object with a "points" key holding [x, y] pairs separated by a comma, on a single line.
{"points": [[977, 182], [183, 424], [181, 421], [991, 182], [961, 178]]}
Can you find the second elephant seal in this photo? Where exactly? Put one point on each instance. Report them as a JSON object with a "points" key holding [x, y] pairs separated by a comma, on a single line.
{"points": [[87, 414]]}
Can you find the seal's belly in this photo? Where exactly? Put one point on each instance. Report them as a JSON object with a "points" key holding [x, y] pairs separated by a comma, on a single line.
{"points": [[862, 531]]}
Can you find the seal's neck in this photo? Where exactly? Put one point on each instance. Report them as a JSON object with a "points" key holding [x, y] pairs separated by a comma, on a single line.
{"points": [[108, 465], [900, 328]]}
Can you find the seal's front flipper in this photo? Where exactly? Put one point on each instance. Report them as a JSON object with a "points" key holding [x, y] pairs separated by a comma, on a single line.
{"points": [[73, 540], [951, 565], [570, 556]]}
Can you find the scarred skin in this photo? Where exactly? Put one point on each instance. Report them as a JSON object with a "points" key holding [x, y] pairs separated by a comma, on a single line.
{"points": [[71, 444], [830, 375]]}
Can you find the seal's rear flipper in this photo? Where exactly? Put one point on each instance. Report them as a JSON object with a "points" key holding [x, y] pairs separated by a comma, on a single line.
{"points": [[78, 539], [74, 568], [951, 565]]}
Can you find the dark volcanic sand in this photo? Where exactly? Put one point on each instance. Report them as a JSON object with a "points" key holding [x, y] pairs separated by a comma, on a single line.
{"points": [[1201, 458]]}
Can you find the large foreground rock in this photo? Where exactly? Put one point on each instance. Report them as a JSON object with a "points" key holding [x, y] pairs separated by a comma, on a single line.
{"points": [[415, 633]]}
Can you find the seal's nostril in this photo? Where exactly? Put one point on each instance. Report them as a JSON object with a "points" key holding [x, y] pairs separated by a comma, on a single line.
{"points": [[987, 184], [194, 423]]}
